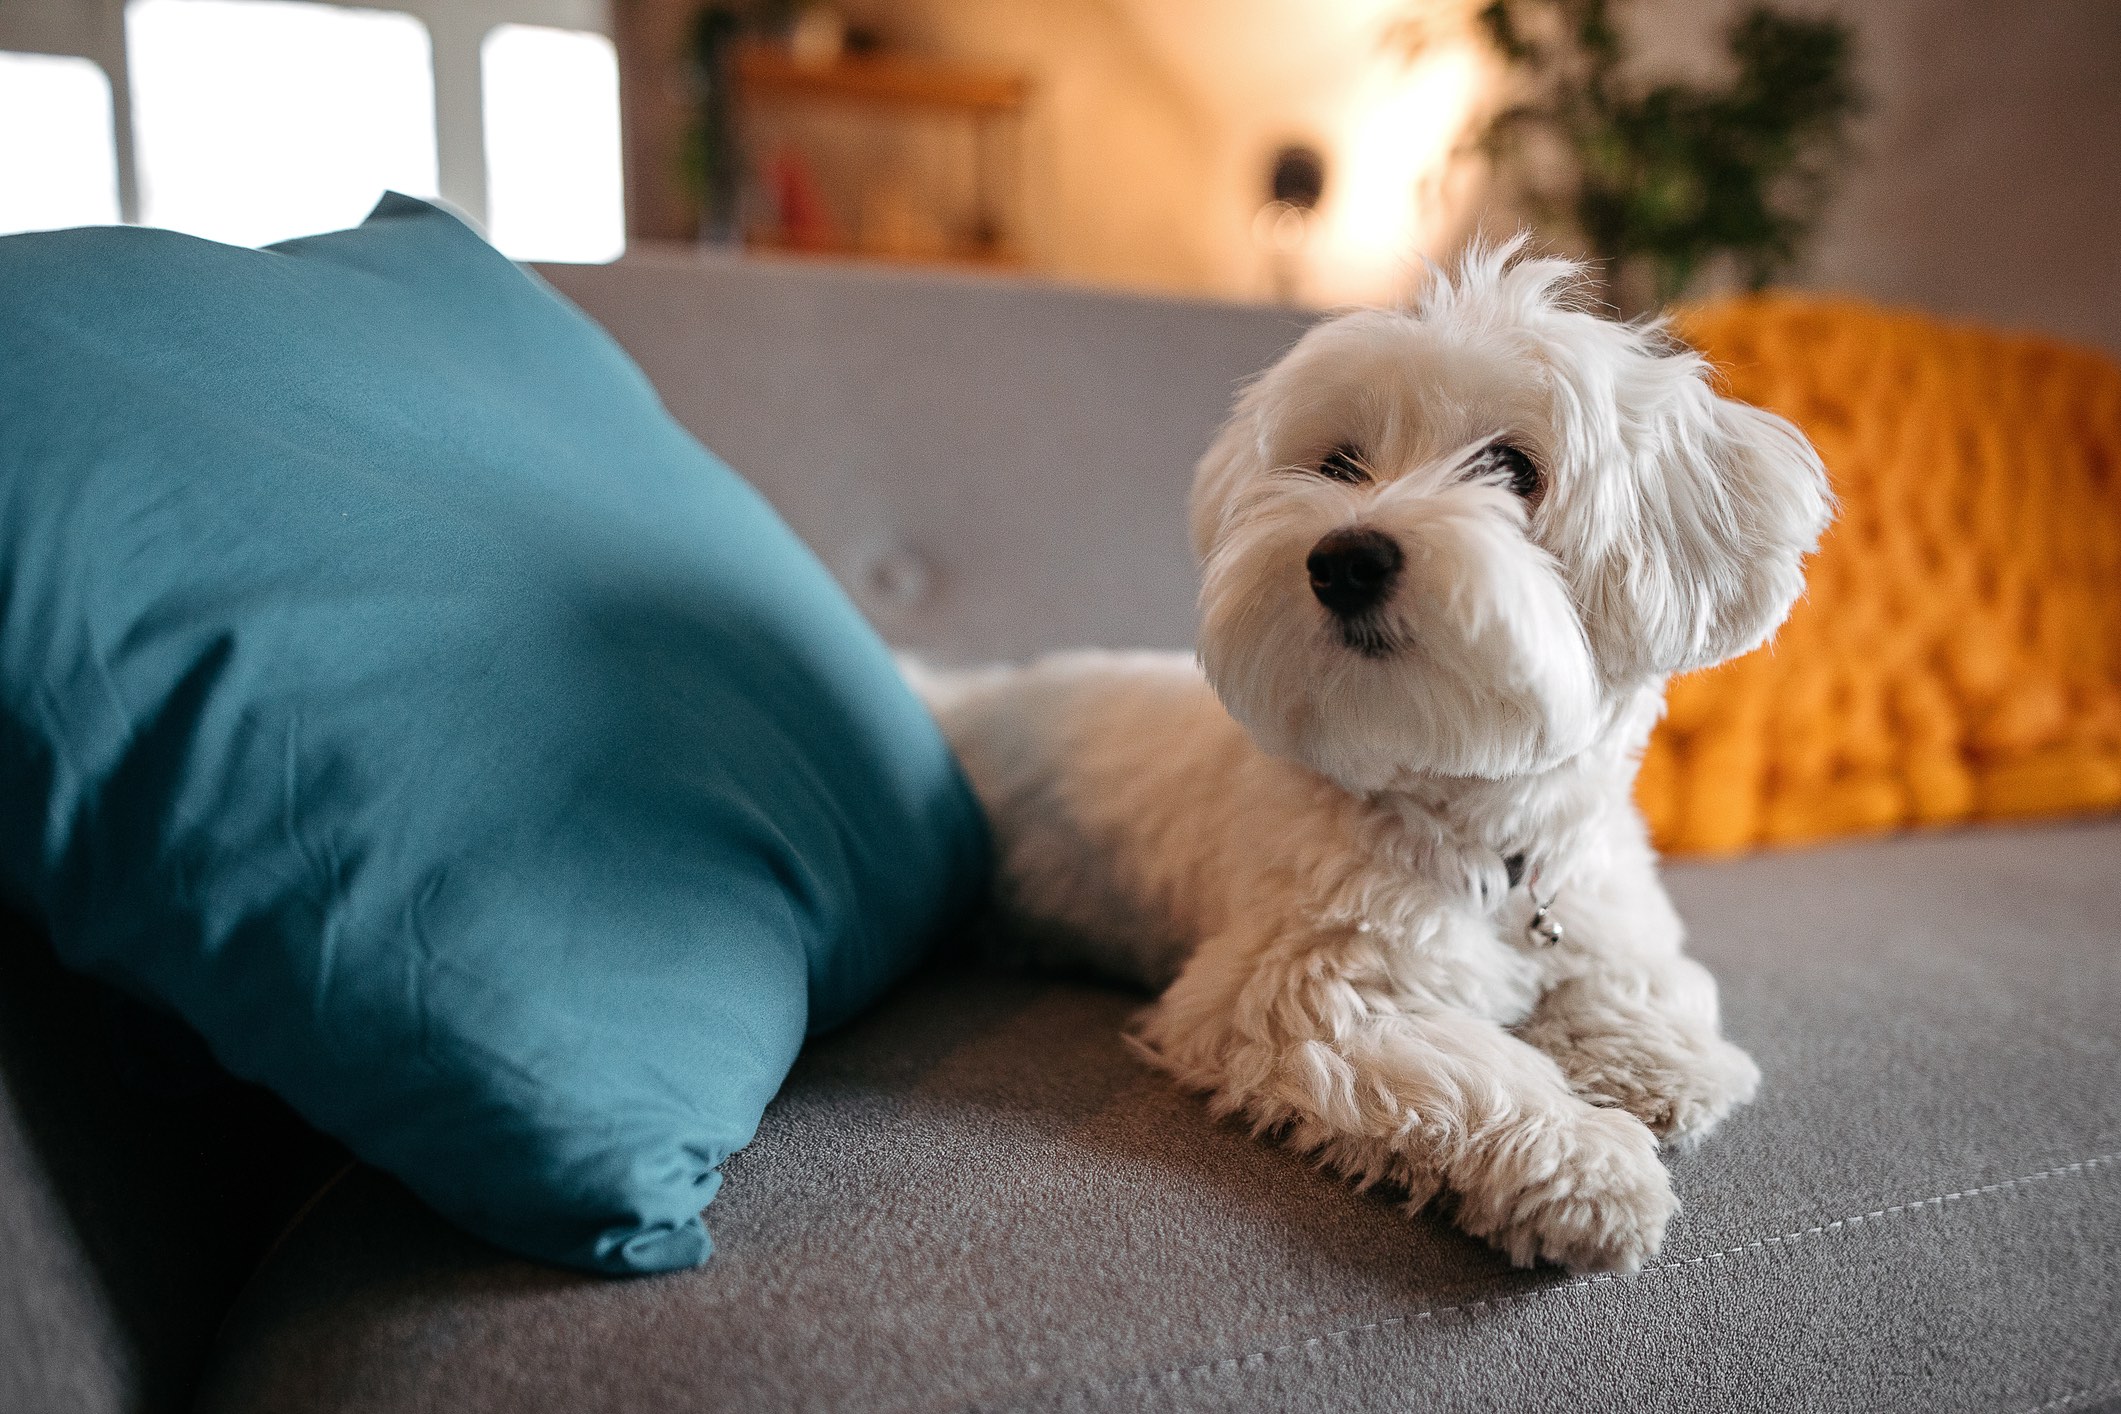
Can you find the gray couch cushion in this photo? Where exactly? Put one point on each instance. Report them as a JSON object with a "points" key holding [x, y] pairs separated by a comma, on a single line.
{"points": [[991, 467], [977, 1199]]}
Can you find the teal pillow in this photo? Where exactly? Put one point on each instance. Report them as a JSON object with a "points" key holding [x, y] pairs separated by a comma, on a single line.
{"points": [[391, 689]]}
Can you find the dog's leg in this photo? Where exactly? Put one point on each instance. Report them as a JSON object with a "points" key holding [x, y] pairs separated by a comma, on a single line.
{"points": [[1642, 1034], [1307, 1038], [1631, 1019]]}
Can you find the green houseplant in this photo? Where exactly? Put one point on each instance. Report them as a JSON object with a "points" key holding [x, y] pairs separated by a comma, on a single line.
{"points": [[1660, 181]]}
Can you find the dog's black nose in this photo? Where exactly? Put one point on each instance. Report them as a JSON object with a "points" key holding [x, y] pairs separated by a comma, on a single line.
{"points": [[1352, 570]]}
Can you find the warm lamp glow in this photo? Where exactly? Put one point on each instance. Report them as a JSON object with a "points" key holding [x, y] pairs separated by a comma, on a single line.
{"points": [[1391, 146]]}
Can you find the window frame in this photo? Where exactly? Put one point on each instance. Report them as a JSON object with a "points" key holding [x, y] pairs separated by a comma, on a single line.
{"points": [[95, 30]]}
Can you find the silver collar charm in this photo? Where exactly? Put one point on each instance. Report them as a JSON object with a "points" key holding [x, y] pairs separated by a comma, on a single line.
{"points": [[1542, 931], [1541, 928]]}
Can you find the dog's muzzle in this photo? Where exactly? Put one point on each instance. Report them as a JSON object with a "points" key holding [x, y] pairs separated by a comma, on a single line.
{"points": [[1353, 570]]}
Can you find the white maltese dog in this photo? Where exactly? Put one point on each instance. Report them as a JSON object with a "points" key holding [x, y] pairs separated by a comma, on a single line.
{"points": [[1378, 848]]}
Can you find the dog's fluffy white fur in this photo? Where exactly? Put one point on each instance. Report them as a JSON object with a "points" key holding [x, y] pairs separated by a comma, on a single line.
{"points": [[1308, 839]]}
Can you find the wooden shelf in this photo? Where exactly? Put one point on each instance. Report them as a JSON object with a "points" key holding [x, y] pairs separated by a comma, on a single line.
{"points": [[768, 73]]}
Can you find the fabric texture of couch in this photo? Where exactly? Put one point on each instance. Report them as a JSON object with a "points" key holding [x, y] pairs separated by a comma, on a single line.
{"points": [[979, 1199], [976, 1199]]}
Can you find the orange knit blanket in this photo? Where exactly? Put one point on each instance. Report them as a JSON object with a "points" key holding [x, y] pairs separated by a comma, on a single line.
{"points": [[1958, 655]]}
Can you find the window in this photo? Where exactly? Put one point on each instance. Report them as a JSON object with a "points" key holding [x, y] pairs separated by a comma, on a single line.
{"points": [[257, 120], [58, 152], [553, 189], [252, 121]]}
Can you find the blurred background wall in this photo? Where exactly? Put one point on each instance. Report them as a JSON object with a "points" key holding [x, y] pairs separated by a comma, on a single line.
{"points": [[1122, 143], [1988, 179], [1987, 182]]}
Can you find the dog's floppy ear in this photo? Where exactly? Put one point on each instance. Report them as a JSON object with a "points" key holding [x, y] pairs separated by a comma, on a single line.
{"points": [[1737, 498], [1216, 475]]}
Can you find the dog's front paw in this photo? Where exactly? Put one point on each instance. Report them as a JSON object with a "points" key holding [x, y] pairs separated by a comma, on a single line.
{"points": [[1681, 1087], [1713, 1079], [1678, 1080], [1588, 1193]]}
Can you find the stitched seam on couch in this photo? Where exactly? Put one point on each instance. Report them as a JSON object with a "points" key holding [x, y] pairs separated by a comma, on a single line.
{"points": [[1759, 1245]]}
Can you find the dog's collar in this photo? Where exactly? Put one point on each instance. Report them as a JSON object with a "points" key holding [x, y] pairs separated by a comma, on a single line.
{"points": [[1541, 929]]}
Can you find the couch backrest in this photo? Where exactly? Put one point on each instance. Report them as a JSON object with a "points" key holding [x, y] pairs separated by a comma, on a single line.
{"points": [[995, 467], [992, 467]]}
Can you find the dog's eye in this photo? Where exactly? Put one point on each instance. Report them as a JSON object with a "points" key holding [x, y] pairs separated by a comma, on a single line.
{"points": [[1344, 463], [1515, 467]]}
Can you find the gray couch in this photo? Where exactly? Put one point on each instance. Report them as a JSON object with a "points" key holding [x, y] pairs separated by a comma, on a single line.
{"points": [[975, 1198]]}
